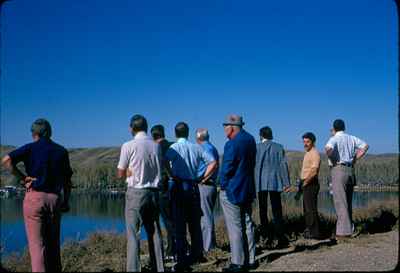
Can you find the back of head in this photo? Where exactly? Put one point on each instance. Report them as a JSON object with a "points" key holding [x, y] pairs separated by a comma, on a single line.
{"points": [[158, 132], [182, 130], [202, 134], [339, 125], [42, 128], [266, 133], [138, 124]]}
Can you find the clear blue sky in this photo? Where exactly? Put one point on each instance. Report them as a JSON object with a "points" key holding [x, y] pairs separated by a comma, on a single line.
{"points": [[88, 66]]}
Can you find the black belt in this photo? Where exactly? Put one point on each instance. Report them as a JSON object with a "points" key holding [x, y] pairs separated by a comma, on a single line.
{"points": [[209, 182], [346, 164]]}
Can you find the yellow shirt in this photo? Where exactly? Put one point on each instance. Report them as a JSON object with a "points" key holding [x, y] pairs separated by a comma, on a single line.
{"points": [[312, 160]]}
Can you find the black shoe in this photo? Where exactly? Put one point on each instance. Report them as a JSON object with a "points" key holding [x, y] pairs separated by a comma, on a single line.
{"points": [[234, 268], [253, 266]]}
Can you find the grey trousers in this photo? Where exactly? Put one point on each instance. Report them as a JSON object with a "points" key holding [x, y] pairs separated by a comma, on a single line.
{"points": [[208, 197], [142, 209], [343, 182], [240, 231]]}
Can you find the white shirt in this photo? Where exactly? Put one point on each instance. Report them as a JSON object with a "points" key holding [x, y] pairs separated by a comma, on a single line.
{"points": [[143, 157], [344, 147]]}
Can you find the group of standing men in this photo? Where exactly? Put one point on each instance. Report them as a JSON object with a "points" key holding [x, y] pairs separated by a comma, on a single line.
{"points": [[179, 182]]}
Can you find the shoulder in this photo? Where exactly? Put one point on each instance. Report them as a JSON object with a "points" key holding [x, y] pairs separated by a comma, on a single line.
{"points": [[277, 146], [59, 147]]}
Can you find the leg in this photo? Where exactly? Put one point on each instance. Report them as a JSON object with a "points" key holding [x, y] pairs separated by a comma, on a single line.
{"points": [[263, 211], [249, 227], [165, 213], [339, 180], [208, 197], [150, 216], [276, 204], [233, 222], [133, 224], [310, 200], [193, 216], [52, 233], [178, 206], [349, 198]]}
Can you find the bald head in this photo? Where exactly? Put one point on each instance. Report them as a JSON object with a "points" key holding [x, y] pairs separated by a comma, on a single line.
{"points": [[202, 135]]}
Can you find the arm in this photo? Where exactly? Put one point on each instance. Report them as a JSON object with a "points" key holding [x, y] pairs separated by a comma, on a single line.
{"points": [[228, 164], [211, 168], [7, 163], [24, 180], [286, 185], [67, 186], [122, 169]]}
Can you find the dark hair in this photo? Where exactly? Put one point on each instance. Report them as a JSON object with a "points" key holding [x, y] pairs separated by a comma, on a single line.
{"points": [[41, 127], [158, 132], [310, 136], [266, 133], [182, 130], [139, 123], [339, 125]]}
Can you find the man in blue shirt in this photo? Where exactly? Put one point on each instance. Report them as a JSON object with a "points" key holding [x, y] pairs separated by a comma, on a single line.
{"points": [[48, 174], [238, 192], [208, 192], [183, 162]]}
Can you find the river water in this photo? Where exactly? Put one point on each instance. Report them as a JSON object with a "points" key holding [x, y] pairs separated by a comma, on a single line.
{"points": [[90, 213]]}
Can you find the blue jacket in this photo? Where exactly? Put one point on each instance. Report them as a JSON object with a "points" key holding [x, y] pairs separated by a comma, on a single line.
{"points": [[271, 172], [237, 170]]}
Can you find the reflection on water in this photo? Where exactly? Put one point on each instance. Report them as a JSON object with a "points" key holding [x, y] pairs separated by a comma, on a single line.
{"points": [[91, 213]]}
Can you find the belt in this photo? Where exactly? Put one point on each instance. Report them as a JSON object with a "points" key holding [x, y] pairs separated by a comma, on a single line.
{"points": [[210, 182], [350, 165]]}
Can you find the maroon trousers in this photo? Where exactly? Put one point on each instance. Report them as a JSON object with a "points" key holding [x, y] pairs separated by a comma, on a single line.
{"points": [[42, 224]]}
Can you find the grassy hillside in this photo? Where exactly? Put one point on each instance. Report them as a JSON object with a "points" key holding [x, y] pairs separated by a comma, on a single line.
{"points": [[94, 168]]}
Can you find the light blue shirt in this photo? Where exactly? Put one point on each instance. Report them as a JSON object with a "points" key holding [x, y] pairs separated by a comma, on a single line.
{"points": [[185, 159], [211, 150], [344, 148]]}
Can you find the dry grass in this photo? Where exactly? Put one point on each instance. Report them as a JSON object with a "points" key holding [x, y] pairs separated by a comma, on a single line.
{"points": [[107, 251]]}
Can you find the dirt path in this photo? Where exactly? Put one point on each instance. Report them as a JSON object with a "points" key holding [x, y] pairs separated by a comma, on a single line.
{"points": [[379, 252]]}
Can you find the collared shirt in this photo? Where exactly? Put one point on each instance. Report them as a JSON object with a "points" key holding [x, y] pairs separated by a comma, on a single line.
{"points": [[312, 160], [344, 148], [185, 159], [143, 157], [209, 148], [46, 161]]}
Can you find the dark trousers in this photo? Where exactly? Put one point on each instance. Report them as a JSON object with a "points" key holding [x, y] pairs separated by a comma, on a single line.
{"points": [[186, 212], [310, 206], [277, 218]]}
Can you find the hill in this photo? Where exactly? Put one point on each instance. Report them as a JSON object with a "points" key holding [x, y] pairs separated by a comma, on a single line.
{"points": [[94, 168]]}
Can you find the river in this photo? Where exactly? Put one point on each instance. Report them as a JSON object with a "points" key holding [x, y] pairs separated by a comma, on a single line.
{"points": [[96, 212]]}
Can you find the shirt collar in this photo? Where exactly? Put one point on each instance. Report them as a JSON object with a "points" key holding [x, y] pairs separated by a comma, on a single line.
{"points": [[140, 135], [182, 140], [339, 133], [265, 140]]}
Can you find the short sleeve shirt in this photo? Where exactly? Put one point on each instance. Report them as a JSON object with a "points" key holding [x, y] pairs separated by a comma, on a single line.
{"points": [[143, 157], [185, 159], [344, 148], [46, 161], [312, 161]]}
